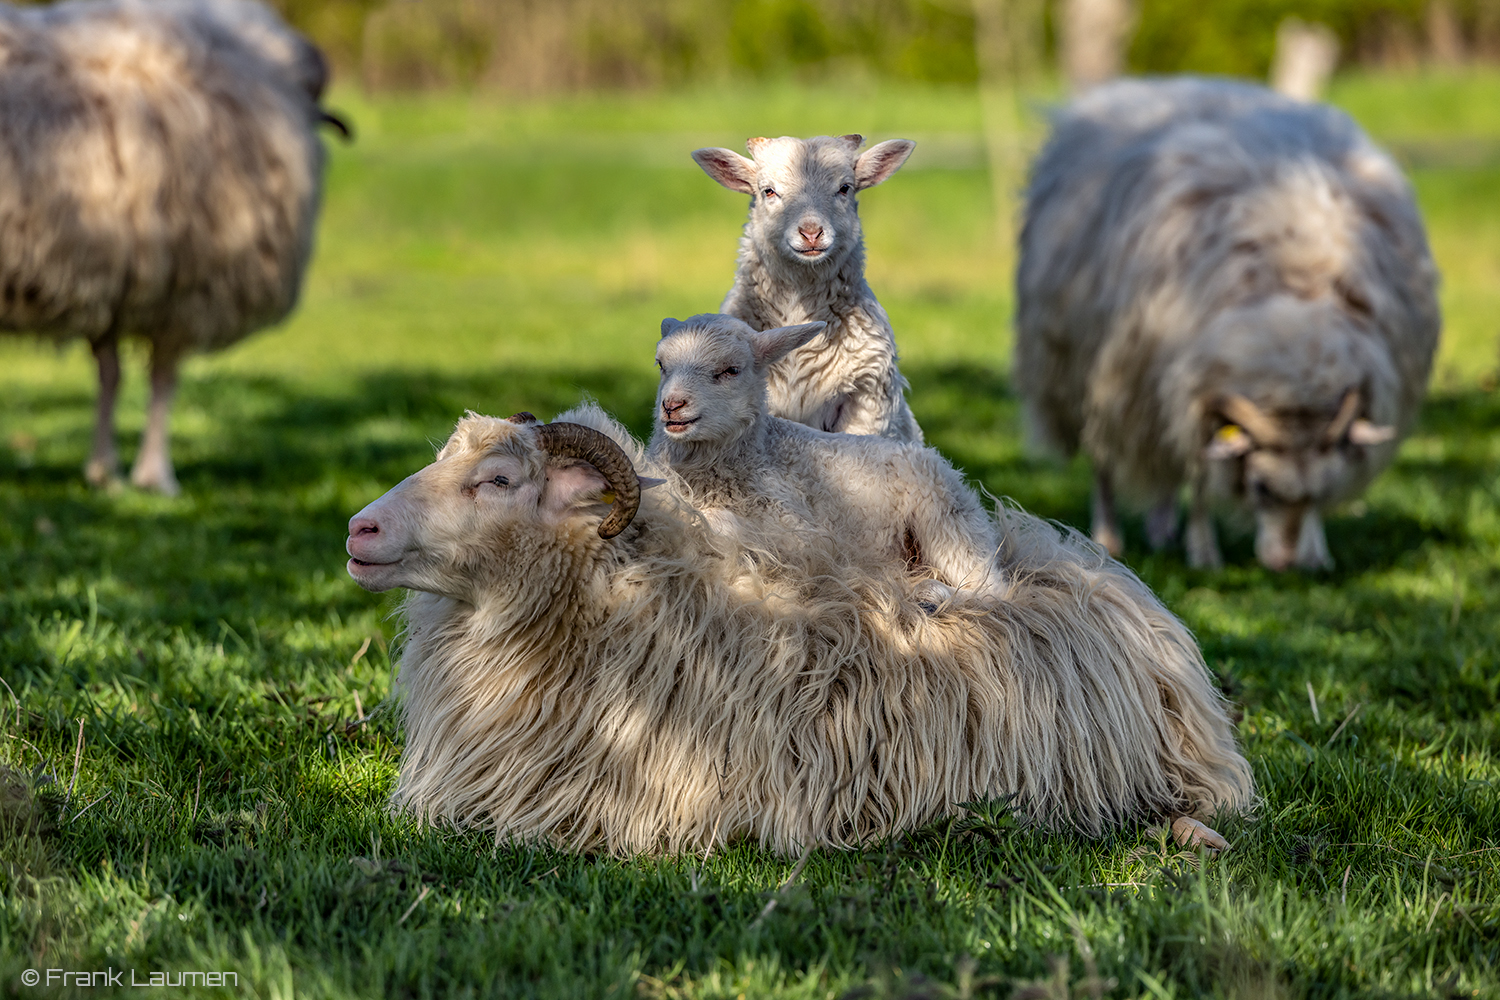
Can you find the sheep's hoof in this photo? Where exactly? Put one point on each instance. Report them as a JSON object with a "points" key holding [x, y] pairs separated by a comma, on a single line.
{"points": [[1188, 832], [102, 474], [160, 480], [1109, 537]]}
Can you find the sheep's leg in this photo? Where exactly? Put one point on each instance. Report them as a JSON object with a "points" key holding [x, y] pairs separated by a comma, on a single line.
{"points": [[1202, 543], [1312, 543], [153, 466], [104, 459], [1161, 523], [1106, 525]]}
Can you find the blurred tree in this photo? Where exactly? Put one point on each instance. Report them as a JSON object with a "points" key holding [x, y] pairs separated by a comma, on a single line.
{"points": [[1092, 40]]}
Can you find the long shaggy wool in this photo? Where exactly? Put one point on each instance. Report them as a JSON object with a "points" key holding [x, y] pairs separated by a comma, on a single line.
{"points": [[1189, 238], [651, 693], [159, 169]]}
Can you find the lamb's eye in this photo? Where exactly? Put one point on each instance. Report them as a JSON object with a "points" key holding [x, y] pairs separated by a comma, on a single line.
{"points": [[659, 366], [500, 481], [730, 371], [845, 189], [769, 192]]}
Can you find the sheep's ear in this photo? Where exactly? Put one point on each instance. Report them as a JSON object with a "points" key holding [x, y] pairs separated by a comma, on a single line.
{"points": [[770, 346], [729, 168], [669, 326], [650, 483], [854, 139], [571, 485], [1364, 432], [1231, 441], [880, 161]]}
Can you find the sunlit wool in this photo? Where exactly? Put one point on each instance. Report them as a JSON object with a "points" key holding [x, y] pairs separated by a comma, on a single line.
{"points": [[802, 260], [891, 502], [159, 177], [1227, 288], [626, 695]]}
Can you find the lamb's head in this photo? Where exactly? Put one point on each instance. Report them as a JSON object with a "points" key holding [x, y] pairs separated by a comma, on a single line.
{"points": [[498, 492], [803, 210], [1290, 432], [713, 376]]}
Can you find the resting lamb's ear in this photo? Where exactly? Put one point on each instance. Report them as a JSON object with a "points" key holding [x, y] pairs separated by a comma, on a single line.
{"points": [[880, 161], [770, 346], [669, 325], [570, 485], [1230, 442], [729, 168]]}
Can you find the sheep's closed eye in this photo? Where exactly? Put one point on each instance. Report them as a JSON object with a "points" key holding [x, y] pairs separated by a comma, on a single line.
{"points": [[499, 481], [729, 372]]}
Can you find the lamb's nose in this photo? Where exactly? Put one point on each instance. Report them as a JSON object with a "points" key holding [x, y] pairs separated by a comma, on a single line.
{"points": [[811, 231], [671, 406]]}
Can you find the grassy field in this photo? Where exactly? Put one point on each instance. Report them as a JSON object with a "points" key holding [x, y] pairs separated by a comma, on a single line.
{"points": [[185, 669]]}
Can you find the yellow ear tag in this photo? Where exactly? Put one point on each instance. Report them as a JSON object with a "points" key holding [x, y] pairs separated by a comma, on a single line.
{"points": [[608, 496], [1229, 432]]}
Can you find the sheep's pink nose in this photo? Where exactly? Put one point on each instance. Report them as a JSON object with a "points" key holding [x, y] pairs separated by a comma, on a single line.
{"points": [[359, 526], [671, 406], [810, 231]]}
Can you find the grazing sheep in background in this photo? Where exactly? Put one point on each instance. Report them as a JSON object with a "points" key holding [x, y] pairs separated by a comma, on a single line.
{"points": [[887, 501], [607, 685], [1227, 288], [159, 177], [802, 260]]}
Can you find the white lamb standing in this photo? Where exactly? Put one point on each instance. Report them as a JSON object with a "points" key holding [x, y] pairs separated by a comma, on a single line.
{"points": [[802, 260], [581, 665], [888, 501], [1226, 288], [160, 172]]}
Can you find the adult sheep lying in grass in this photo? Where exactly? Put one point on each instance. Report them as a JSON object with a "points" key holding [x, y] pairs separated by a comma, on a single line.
{"points": [[596, 676], [802, 260], [884, 500], [159, 177], [1222, 287]]}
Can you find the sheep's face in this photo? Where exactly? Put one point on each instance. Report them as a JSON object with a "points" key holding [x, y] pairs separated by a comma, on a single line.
{"points": [[1285, 417], [1288, 466], [803, 209], [713, 375], [455, 527]]}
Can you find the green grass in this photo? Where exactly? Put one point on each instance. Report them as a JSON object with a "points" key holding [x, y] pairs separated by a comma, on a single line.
{"points": [[495, 257]]}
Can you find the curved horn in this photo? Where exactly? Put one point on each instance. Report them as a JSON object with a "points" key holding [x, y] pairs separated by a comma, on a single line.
{"points": [[1348, 410], [1252, 418], [524, 417], [333, 119], [599, 450]]}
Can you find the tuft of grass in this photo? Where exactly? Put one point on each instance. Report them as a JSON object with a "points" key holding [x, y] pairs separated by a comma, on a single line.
{"points": [[228, 811]]}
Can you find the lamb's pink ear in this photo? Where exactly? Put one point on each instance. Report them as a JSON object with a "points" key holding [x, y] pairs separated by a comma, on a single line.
{"points": [[770, 346], [572, 484], [880, 161], [729, 168], [854, 140]]}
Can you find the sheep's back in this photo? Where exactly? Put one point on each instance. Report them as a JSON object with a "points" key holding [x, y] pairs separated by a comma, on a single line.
{"points": [[159, 169]]}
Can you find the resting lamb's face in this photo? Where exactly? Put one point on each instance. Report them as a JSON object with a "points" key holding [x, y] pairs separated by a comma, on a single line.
{"points": [[713, 375], [802, 191], [455, 527]]}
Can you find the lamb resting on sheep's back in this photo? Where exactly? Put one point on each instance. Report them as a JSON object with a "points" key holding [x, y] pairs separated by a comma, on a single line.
{"points": [[802, 260], [1226, 288], [160, 173], [889, 501], [609, 684]]}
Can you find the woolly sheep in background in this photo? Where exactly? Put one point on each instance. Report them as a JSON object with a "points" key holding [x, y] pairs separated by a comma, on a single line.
{"points": [[1222, 287], [802, 260], [160, 173], [883, 500], [596, 676]]}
